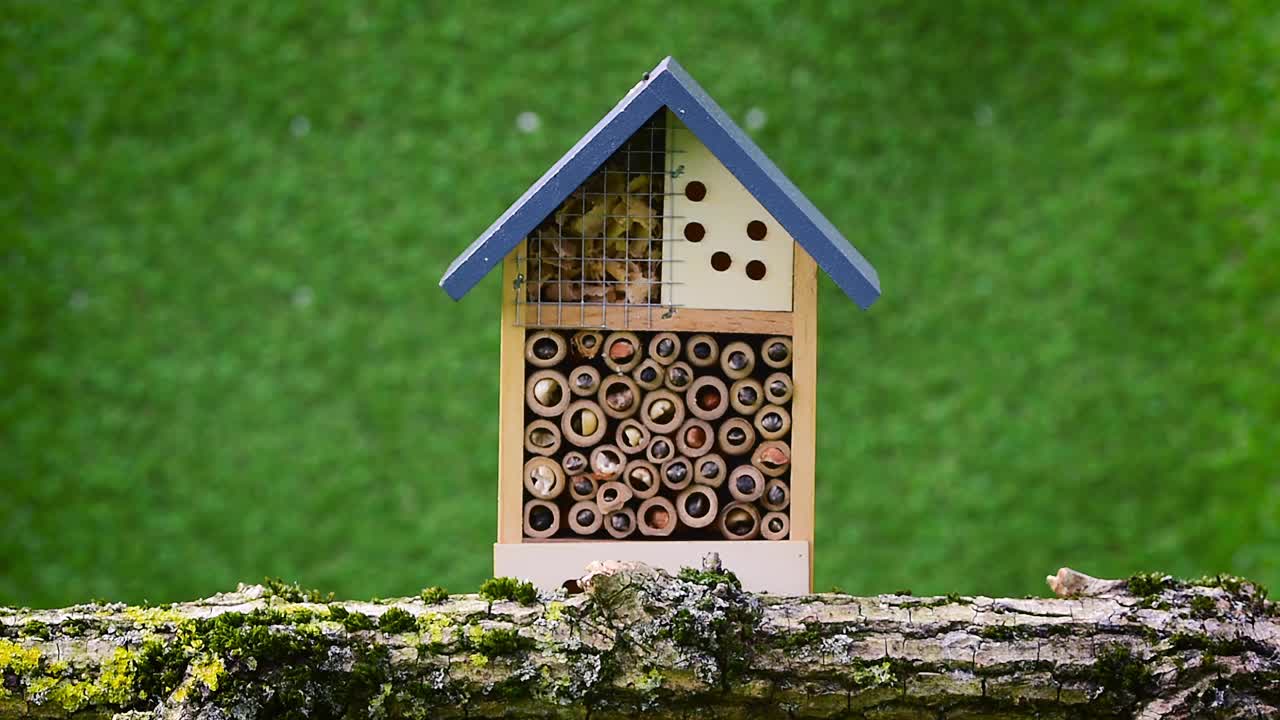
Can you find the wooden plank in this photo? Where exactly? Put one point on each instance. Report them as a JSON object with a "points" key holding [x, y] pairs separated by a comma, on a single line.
{"points": [[804, 369], [510, 409], [549, 315], [778, 566]]}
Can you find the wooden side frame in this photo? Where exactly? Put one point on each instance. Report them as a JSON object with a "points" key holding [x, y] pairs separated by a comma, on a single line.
{"points": [[804, 404], [510, 409]]}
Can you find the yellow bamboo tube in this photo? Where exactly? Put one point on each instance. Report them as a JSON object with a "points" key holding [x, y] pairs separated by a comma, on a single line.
{"points": [[632, 436], [583, 423], [678, 376], [607, 462], [746, 396], [547, 393], [695, 438], [648, 374], [735, 437], [746, 484], [702, 351], [665, 347], [777, 496], [620, 524], [542, 437], [660, 449], [543, 478], [574, 463], [587, 344], [775, 526], [710, 470], [707, 398], [773, 458], [585, 517], [737, 360], [779, 388], [773, 422], [739, 521], [776, 352], [642, 477], [541, 519], [622, 351], [656, 517], [545, 349], [612, 496], [697, 506], [662, 411], [584, 381], [619, 396], [676, 473], [583, 487]]}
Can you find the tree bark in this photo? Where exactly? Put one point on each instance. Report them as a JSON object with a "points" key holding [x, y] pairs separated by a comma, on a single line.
{"points": [[638, 642]]}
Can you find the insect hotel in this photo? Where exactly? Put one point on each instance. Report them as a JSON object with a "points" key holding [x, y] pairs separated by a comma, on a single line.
{"points": [[659, 348]]}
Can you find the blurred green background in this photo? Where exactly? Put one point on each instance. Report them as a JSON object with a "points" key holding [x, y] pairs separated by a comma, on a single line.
{"points": [[224, 355]]}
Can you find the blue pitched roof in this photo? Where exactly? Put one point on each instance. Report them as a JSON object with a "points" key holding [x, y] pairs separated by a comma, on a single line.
{"points": [[670, 85]]}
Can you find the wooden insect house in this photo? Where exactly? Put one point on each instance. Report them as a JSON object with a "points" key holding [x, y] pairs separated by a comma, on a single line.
{"points": [[659, 348]]}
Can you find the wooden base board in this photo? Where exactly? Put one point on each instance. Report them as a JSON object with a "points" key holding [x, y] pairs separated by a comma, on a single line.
{"points": [[776, 566]]}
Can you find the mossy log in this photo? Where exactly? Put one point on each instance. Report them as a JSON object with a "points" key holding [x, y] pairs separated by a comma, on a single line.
{"points": [[638, 642]]}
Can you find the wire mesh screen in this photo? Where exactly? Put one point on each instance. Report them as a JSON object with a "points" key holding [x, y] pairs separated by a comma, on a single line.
{"points": [[601, 259]]}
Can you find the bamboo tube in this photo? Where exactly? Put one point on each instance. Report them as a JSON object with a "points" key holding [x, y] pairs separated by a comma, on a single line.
{"points": [[772, 458], [587, 344], [545, 349], [648, 374], [775, 526], [622, 351], [612, 496], [776, 352], [656, 517], [607, 462], [736, 436], [697, 506], [547, 393], [584, 381], [543, 478], [777, 496], [541, 519], [665, 347], [620, 524], [583, 423], [779, 388], [737, 360], [542, 437], [660, 449], [642, 477], [662, 411], [746, 396], [773, 422], [632, 436], [574, 463], [585, 517], [739, 521], [677, 473], [711, 470], [707, 398], [746, 484], [618, 396], [702, 351], [695, 438], [583, 487], [678, 376]]}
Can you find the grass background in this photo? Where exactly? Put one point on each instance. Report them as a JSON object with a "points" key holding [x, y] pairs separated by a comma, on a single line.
{"points": [[223, 353]]}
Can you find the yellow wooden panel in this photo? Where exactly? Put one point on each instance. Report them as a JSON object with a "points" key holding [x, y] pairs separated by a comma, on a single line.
{"points": [[804, 372], [510, 408]]}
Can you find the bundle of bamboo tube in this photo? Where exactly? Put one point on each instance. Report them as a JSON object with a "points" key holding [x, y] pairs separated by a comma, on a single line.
{"points": [[657, 435]]}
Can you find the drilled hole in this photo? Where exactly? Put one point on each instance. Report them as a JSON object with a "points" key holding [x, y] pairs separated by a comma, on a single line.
{"points": [[756, 270], [756, 230], [695, 191], [694, 232], [721, 261]]}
